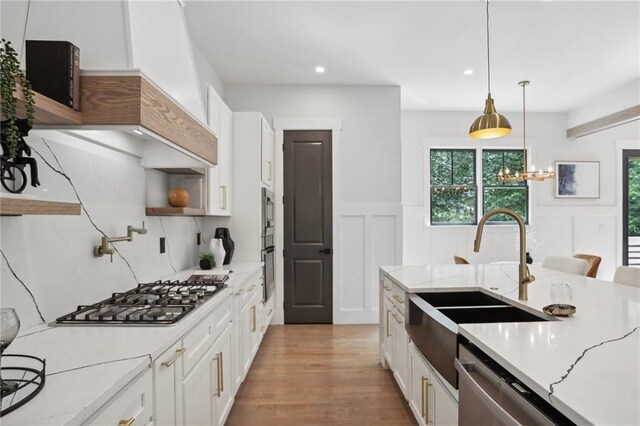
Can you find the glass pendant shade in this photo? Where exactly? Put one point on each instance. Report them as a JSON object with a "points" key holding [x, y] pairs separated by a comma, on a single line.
{"points": [[490, 124]]}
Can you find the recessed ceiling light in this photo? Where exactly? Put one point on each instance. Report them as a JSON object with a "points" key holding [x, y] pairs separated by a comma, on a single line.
{"points": [[467, 72], [319, 69]]}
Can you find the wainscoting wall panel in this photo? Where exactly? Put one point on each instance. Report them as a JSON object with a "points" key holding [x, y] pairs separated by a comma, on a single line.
{"points": [[370, 236]]}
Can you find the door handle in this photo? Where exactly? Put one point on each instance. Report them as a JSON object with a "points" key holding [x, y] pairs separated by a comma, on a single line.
{"points": [[325, 251]]}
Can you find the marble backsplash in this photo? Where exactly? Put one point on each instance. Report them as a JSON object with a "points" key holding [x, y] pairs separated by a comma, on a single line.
{"points": [[47, 264]]}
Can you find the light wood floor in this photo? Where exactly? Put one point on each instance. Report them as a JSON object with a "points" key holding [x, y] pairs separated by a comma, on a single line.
{"points": [[319, 375]]}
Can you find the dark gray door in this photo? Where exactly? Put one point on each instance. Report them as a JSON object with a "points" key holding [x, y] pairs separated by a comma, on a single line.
{"points": [[308, 242]]}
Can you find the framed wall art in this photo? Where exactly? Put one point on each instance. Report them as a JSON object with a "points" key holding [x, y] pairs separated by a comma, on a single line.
{"points": [[577, 179]]}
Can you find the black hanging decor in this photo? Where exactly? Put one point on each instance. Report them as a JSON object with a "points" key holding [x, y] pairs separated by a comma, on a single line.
{"points": [[12, 176], [227, 243]]}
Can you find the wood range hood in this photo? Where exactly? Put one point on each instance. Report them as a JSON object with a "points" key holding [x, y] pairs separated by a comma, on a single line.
{"points": [[126, 112]]}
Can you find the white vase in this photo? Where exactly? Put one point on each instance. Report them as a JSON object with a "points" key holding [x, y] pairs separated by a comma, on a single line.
{"points": [[216, 248]]}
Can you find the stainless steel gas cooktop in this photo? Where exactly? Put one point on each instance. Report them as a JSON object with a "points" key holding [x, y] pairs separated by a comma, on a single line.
{"points": [[158, 303]]}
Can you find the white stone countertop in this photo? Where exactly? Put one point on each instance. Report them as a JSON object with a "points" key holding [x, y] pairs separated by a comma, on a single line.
{"points": [[86, 366], [586, 365]]}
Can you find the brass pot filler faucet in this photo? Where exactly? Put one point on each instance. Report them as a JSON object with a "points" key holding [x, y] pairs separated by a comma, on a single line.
{"points": [[104, 248], [524, 277]]}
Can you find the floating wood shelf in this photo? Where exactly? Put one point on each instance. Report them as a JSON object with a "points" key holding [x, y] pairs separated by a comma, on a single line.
{"points": [[48, 111], [183, 171], [10, 206], [174, 211], [134, 100]]}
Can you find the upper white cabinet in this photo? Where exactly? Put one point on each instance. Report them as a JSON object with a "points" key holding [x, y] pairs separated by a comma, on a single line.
{"points": [[218, 188], [252, 161], [267, 144]]}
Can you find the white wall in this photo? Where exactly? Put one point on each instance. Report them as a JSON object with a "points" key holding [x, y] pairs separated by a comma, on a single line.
{"points": [[206, 74], [560, 226], [367, 197]]}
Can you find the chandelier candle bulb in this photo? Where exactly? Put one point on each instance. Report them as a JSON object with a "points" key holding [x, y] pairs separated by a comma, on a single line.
{"points": [[533, 173]]}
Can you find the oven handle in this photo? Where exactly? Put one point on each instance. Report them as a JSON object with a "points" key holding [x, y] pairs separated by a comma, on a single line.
{"points": [[499, 412]]}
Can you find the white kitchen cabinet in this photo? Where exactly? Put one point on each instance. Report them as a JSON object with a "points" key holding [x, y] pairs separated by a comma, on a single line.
{"points": [[167, 372], [401, 356], [420, 388], [248, 161], [249, 331], [198, 389], [429, 400], [133, 404], [193, 378], [267, 144], [223, 380], [218, 188], [247, 303], [206, 399], [389, 349]]}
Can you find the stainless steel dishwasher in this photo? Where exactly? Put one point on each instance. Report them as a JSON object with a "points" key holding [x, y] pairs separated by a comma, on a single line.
{"points": [[489, 395]]}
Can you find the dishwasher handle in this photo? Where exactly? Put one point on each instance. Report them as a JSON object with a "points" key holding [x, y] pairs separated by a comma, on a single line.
{"points": [[464, 376]]}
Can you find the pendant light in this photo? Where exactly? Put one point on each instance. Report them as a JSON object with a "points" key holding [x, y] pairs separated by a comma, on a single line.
{"points": [[490, 124], [533, 174]]}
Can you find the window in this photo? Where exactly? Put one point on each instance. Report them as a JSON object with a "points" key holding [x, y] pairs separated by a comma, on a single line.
{"points": [[508, 195], [454, 189], [453, 186]]}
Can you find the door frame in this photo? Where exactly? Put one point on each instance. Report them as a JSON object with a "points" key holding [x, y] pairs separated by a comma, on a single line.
{"points": [[621, 145], [280, 125], [626, 156]]}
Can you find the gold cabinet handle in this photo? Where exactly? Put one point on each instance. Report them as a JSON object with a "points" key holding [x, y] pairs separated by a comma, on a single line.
{"points": [[253, 329], [127, 422], [388, 323], [218, 360], [425, 397], [169, 363], [221, 375], [423, 412], [398, 320], [386, 287], [224, 197], [399, 300], [239, 291]]}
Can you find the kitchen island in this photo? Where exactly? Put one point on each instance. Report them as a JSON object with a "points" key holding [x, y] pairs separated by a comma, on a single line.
{"points": [[87, 367], [587, 365]]}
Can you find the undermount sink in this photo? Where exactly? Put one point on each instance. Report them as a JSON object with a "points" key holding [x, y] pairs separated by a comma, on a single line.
{"points": [[460, 298], [433, 318], [488, 314]]}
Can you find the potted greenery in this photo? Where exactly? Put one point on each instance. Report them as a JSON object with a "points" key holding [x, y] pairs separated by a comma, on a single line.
{"points": [[10, 75], [207, 261]]}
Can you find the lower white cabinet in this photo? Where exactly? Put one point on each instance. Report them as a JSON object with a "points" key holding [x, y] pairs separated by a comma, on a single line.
{"points": [[167, 371], [429, 400], [249, 331], [134, 404], [193, 380], [206, 400], [401, 358]]}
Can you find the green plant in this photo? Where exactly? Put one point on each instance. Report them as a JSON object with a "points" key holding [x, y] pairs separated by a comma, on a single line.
{"points": [[10, 74], [208, 256]]}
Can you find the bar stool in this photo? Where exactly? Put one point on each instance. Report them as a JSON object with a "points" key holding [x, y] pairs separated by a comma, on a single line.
{"points": [[593, 263], [566, 264], [627, 275]]}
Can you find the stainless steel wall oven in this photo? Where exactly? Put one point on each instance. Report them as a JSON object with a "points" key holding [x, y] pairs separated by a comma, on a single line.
{"points": [[268, 242]]}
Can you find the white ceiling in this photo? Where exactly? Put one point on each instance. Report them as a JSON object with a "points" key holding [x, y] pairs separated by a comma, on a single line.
{"points": [[570, 50]]}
